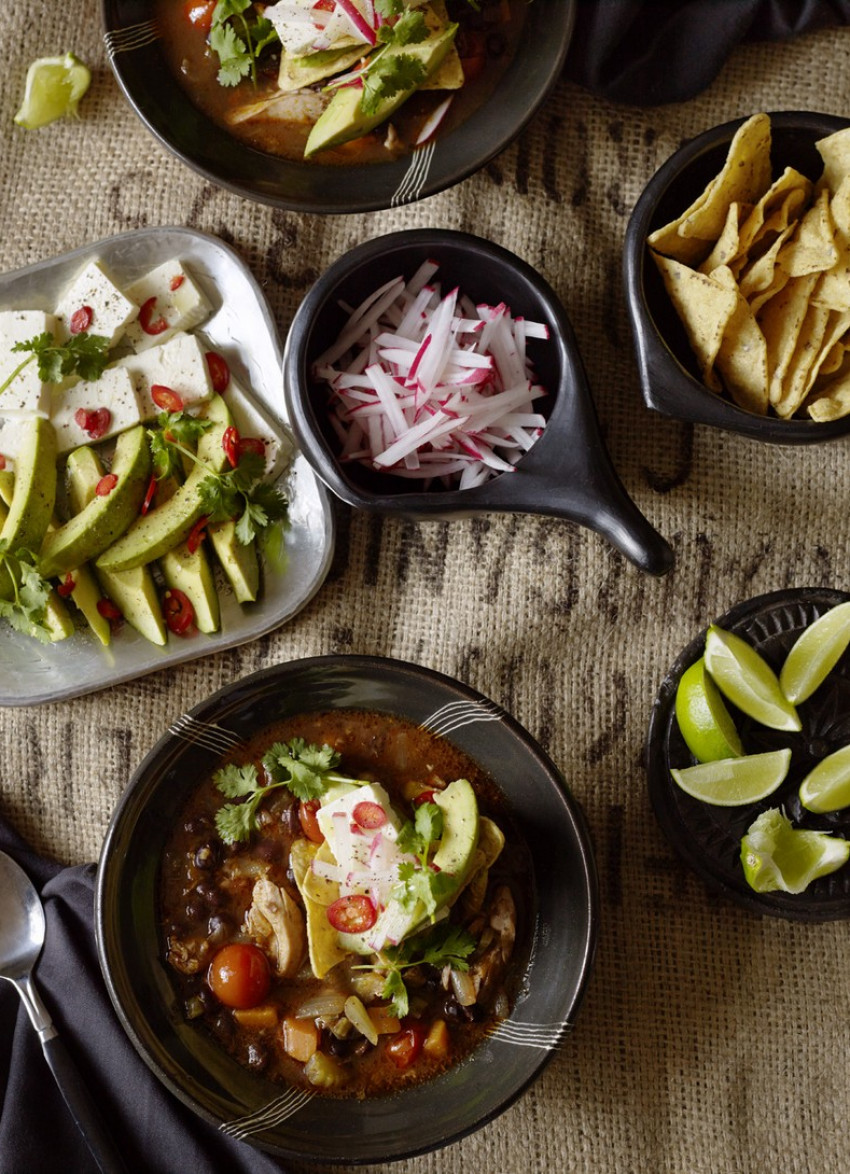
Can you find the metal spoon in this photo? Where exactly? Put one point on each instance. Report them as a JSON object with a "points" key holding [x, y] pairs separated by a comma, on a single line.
{"points": [[21, 938]]}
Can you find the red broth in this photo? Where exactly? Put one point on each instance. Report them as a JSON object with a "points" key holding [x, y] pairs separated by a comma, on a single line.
{"points": [[206, 890], [485, 43]]}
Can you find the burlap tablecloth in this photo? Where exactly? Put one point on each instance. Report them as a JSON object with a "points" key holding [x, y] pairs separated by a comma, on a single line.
{"points": [[710, 1040]]}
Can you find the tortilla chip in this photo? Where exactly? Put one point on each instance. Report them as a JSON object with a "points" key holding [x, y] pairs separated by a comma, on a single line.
{"points": [[762, 274], [319, 888], [780, 204], [831, 402], [781, 320], [812, 248], [799, 375], [744, 177], [835, 152], [322, 939], [833, 290], [727, 245], [742, 358], [704, 306]]}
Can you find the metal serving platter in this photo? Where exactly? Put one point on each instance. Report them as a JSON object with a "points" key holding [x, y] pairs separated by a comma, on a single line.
{"points": [[241, 327]]}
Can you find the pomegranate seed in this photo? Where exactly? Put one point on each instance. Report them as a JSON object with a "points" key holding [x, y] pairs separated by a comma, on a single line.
{"points": [[81, 320], [66, 587]]}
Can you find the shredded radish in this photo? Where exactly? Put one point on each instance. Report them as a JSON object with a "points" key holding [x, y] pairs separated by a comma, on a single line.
{"points": [[429, 386]]}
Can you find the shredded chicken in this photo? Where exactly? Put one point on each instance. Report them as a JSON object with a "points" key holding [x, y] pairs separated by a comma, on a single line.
{"points": [[276, 920]]}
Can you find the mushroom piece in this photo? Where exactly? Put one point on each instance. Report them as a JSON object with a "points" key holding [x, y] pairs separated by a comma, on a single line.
{"points": [[278, 923]]}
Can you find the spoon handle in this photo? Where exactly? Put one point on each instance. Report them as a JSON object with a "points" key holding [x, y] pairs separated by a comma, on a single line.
{"points": [[82, 1107]]}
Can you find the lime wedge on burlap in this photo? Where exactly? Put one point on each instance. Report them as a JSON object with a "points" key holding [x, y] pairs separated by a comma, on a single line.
{"points": [[747, 680], [778, 856], [704, 721], [732, 782], [815, 653], [53, 89], [827, 786]]}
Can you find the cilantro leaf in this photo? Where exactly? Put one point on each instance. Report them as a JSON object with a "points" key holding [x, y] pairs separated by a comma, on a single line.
{"points": [[176, 432], [444, 944], [389, 76], [233, 780], [233, 55], [83, 354], [27, 609], [238, 35]]}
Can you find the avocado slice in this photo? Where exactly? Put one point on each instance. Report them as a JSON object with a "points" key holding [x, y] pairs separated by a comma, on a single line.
{"points": [[97, 526], [134, 592], [160, 530], [189, 571], [298, 72], [56, 617], [238, 561], [34, 494], [343, 118], [453, 857]]}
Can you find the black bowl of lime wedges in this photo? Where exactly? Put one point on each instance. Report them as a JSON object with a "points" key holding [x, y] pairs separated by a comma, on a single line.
{"points": [[748, 762]]}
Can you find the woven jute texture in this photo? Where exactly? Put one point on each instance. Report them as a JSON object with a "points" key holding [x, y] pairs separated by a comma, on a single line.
{"points": [[710, 1041]]}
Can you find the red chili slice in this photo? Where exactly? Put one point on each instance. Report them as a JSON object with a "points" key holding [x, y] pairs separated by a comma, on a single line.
{"points": [[219, 371], [66, 587], [106, 484], [307, 809], [147, 321], [81, 320], [93, 421], [369, 815], [230, 444], [424, 797], [2, 462], [251, 444], [165, 398], [178, 611], [176, 281], [111, 612], [151, 490], [352, 914], [196, 534]]}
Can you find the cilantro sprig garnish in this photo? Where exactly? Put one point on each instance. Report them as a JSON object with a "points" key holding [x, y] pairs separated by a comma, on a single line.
{"points": [[239, 34], [440, 945], [306, 770], [239, 494], [383, 76], [27, 608], [83, 354]]}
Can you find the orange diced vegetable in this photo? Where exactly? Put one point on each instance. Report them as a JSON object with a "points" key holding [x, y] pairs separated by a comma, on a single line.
{"points": [[254, 1018], [437, 1040], [384, 1021], [300, 1037]]}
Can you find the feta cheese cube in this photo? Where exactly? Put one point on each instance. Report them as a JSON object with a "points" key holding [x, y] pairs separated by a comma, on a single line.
{"points": [[12, 435], [180, 364], [251, 420], [179, 302], [26, 395], [111, 310], [115, 390]]}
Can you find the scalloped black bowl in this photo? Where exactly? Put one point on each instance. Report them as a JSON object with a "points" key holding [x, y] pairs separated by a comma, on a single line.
{"points": [[708, 838], [559, 939], [567, 473], [135, 53], [668, 372]]}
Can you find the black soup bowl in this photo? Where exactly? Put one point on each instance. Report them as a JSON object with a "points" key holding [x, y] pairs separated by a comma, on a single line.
{"points": [[134, 46], [558, 931], [668, 370], [567, 473]]}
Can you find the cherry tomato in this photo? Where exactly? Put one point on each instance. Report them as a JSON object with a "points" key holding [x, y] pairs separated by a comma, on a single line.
{"points": [[405, 1046], [165, 398], [369, 815], [66, 587], [106, 484], [151, 490], [239, 975], [307, 818], [178, 612], [147, 320], [196, 534], [230, 444], [219, 371], [352, 914], [81, 320]]}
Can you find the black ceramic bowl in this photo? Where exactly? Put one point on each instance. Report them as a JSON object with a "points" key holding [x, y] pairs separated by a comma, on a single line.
{"points": [[560, 940], [135, 53], [668, 371], [567, 473], [708, 838]]}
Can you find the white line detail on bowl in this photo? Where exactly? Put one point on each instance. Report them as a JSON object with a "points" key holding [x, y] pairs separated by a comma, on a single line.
{"points": [[415, 177], [135, 36], [547, 1036], [274, 1112], [461, 713], [210, 736]]}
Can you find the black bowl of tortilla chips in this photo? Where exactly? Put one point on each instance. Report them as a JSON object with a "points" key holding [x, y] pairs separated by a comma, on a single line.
{"points": [[737, 279]]}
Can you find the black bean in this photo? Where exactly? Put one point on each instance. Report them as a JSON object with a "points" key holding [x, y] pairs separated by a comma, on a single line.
{"points": [[206, 856]]}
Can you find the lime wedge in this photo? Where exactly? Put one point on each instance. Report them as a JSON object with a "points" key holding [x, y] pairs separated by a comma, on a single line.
{"points": [[53, 89], [747, 680], [776, 855], [827, 786], [732, 782], [704, 720], [815, 653]]}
